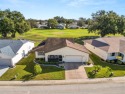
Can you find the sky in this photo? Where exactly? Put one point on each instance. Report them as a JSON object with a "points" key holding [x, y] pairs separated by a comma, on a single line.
{"points": [[70, 9]]}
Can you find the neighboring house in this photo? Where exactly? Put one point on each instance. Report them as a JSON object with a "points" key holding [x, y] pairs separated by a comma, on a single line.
{"points": [[62, 50], [73, 25], [43, 26], [61, 26], [107, 48], [11, 51], [85, 26]]}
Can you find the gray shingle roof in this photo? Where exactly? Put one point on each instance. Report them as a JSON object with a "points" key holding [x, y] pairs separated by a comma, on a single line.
{"points": [[15, 45]]}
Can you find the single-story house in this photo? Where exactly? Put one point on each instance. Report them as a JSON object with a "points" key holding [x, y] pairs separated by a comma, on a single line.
{"points": [[43, 27], [74, 27], [11, 51], [61, 26], [107, 48], [62, 50]]}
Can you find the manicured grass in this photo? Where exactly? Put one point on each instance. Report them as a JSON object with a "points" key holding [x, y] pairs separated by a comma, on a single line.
{"points": [[39, 34], [24, 71], [118, 70]]}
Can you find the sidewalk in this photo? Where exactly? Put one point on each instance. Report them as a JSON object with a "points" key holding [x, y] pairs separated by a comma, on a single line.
{"points": [[61, 82]]}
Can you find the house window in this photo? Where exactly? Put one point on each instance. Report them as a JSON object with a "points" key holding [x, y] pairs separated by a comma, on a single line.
{"points": [[121, 55], [55, 58], [112, 54], [40, 53]]}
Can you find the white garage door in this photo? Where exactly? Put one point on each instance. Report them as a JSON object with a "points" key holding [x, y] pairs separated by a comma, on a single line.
{"points": [[73, 58]]}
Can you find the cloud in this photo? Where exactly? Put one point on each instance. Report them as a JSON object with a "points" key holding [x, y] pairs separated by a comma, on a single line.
{"points": [[79, 3]]}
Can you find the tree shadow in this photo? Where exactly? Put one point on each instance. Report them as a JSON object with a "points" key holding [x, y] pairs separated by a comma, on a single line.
{"points": [[29, 68], [28, 77], [73, 66], [49, 69]]}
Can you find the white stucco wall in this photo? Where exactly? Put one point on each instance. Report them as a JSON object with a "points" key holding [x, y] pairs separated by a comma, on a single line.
{"points": [[11, 60], [39, 56], [66, 51], [102, 54], [112, 57], [25, 48]]}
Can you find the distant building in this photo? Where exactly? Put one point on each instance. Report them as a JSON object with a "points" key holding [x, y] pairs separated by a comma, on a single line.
{"points": [[73, 26], [61, 26], [43, 25], [85, 26]]}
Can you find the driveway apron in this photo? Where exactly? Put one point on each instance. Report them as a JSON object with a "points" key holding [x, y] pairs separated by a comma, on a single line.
{"points": [[75, 71]]}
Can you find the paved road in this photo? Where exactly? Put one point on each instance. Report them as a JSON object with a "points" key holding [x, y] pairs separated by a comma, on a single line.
{"points": [[100, 88], [74, 71]]}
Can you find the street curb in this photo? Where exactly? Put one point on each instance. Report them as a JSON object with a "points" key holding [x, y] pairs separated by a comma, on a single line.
{"points": [[61, 82]]}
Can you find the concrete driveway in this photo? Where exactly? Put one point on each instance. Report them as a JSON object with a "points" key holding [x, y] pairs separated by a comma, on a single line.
{"points": [[74, 71]]}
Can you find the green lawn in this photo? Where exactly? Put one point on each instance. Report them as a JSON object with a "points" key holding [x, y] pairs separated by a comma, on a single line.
{"points": [[118, 70], [38, 34], [24, 71]]}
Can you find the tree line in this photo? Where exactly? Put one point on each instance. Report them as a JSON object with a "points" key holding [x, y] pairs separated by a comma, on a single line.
{"points": [[102, 23], [53, 22]]}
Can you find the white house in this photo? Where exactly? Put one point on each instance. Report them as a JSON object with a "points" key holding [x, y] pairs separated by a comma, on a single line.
{"points": [[62, 50], [61, 26], [107, 48], [73, 25], [11, 51]]}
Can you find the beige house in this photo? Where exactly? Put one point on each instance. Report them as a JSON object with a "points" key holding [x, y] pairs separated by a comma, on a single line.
{"points": [[62, 50], [107, 48]]}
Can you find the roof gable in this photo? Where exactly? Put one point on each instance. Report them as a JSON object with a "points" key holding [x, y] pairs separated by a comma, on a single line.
{"points": [[11, 47], [52, 44], [109, 44], [7, 51]]}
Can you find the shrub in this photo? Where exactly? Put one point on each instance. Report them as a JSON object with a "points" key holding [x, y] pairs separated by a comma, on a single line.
{"points": [[37, 69], [111, 74], [88, 63], [119, 62], [97, 68], [112, 61], [108, 61], [123, 63]]}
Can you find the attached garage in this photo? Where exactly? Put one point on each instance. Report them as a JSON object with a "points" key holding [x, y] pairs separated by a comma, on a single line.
{"points": [[5, 62], [73, 58], [63, 50]]}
